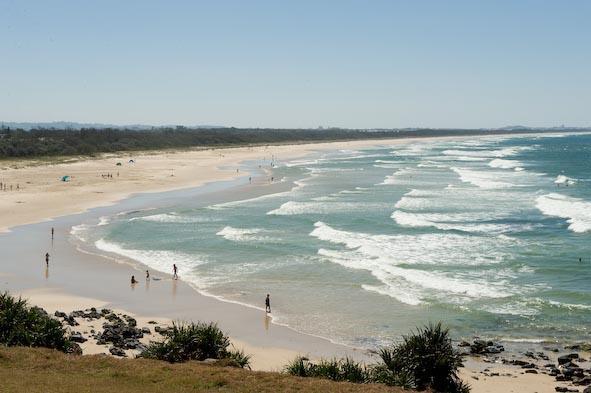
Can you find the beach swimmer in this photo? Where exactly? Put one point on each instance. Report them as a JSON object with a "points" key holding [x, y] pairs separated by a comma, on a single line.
{"points": [[133, 280], [175, 271], [47, 258], [147, 275], [268, 304]]}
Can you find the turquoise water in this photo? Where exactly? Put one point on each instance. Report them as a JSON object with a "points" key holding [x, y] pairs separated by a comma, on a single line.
{"points": [[484, 234]]}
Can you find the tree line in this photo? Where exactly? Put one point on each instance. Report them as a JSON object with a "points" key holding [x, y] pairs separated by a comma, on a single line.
{"points": [[89, 141]]}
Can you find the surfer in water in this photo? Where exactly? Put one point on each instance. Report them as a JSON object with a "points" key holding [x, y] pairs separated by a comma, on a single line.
{"points": [[268, 304]]}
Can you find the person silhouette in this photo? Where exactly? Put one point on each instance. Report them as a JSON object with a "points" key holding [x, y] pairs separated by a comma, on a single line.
{"points": [[268, 304]]}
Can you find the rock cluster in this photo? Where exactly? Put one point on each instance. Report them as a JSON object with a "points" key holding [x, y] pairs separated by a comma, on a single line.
{"points": [[120, 331], [482, 347]]}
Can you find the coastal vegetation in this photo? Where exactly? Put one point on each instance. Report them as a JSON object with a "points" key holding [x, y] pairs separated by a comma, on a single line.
{"points": [[43, 142], [22, 325], [195, 341], [423, 360]]}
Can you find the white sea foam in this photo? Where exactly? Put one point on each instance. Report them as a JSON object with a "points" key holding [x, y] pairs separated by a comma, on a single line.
{"points": [[385, 255], [507, 151], [160, 260], [322, 207], [104, 221], [577, 212], [480, 178], [562, 179], [388, 162], [466, 222], [172, 218], [395, 177], [296, 163], [242, 234], [79, 231], [505, 164], [232, 204]]}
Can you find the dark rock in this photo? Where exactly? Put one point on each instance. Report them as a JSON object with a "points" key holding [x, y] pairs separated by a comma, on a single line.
{"points": [[154, 323], [574, 347], [530, 355], [74, 349], [542, 356], [582, 381], [567, 358], [70, 320], [130, 321], [78, 338], [461, 344], [587, 390], [116, 351], [60, 314], [160, 329], [531, 372], [529, 366], [146, 330]]}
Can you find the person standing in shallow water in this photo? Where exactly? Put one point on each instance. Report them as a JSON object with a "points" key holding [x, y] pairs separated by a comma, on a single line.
{"points": [[175, 272], [47, 258], [52, 233], [268, 304]]}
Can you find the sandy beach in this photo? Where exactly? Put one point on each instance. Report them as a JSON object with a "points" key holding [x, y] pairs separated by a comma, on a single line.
{"points": [[81, 280]]}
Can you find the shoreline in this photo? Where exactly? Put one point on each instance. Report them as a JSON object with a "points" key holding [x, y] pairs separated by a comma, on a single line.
{"points": [[296, 341]]}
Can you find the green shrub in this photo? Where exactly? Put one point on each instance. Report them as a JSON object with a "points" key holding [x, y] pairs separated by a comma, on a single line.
{"points": [[194, 341], [333, 369], [423, 360], [298, 367], [21, 325], [241, 358]]}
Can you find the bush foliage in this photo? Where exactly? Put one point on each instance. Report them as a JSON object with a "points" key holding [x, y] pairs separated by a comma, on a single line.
{"points": [[194, 341], [423, 360], [21, 325]]}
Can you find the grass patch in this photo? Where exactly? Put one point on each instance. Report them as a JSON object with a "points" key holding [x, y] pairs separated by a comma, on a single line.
{"points": [[51, 371]]}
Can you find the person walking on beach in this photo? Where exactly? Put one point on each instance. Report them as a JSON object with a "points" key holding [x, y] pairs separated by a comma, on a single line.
{"points": [[175, 272], [268, 304], [147, 275], [47, 258]]}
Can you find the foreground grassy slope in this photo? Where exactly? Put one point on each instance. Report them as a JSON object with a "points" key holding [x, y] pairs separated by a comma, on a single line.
{"points": [[45, 370]]}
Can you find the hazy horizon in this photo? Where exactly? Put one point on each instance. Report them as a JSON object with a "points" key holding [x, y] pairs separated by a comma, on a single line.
{"points": [[353, 64]]}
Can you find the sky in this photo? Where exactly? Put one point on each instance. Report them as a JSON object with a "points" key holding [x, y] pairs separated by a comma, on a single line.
{"points": [[355, 64]]}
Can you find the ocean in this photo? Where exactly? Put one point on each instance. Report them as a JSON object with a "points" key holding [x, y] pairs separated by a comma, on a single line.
{"points": [[490, 235]]}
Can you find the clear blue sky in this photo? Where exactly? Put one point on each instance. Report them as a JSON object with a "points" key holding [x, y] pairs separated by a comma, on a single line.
{"points": [[297, 63]]}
